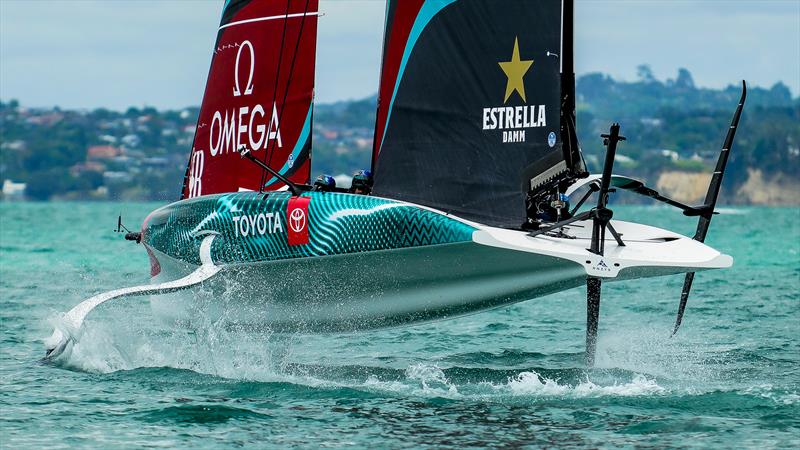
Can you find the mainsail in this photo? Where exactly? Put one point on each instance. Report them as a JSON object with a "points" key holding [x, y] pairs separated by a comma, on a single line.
{"points": [[470, 105], [258, 95]]}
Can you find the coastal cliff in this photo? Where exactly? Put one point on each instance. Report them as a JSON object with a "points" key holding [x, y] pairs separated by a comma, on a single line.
{"points": [[690, 187]]}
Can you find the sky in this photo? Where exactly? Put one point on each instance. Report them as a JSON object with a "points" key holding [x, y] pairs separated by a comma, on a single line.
{"points": [[121, 53]]}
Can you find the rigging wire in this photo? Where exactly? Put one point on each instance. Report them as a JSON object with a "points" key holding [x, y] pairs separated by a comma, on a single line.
{"points": [[288, 83], [277, 80]]}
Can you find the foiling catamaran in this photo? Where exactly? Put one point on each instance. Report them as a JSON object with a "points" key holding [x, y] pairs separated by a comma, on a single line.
{"points": [[475, 162]]}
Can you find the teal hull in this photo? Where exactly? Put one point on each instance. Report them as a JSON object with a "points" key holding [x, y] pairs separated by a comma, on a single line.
{"points": [[254, 227], [369, 263]]}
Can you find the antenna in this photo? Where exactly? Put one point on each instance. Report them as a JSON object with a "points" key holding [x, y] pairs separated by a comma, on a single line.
{"points": [[120, 226], [129, 235]]}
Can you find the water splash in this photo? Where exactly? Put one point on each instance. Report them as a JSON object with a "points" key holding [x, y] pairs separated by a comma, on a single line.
{"points": [[631, 361], [431, 377], [267, 358], [531, 383]]}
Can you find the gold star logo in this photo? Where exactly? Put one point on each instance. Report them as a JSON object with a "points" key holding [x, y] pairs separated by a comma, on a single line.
{"points": [[515, 70]]}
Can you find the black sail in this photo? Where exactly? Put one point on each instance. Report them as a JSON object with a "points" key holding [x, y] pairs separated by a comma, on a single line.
{"points": [[469, 114]]}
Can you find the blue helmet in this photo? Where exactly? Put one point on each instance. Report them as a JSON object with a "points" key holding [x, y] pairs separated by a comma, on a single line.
{"points": [[324, 183], [362, 181]]}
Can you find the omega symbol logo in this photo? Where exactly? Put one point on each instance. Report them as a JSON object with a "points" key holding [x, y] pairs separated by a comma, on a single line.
{"points": [[249, 86], [297, 220]]}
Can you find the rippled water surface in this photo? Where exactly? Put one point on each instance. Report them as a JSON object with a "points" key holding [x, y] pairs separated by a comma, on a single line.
{"points": [[509, 377]]}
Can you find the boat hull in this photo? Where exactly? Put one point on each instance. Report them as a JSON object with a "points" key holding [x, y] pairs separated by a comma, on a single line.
{"points": [[373, 263], [372, 290]]}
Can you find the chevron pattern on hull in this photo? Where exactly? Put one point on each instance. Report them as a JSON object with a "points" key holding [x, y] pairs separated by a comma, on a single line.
{"points": [[253, 226]]}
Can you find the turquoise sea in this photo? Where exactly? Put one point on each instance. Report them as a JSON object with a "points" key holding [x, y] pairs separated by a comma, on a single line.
{"points": [[512, 377]]}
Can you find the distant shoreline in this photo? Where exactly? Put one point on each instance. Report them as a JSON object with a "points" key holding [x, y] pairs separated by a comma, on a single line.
{"points": [[674, 132]]}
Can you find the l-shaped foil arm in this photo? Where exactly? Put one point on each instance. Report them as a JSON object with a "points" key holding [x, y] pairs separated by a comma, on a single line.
{"points": [[73, 320]]}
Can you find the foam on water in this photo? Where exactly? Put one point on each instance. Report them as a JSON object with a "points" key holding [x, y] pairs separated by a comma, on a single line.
{"points": [[637, 361], [768, 391], [264, 357], [124, 336], [527, 383], [430, 381]]}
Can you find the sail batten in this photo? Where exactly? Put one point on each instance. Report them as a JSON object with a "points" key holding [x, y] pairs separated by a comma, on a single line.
{"points": [[470, 105], [262, 19]]}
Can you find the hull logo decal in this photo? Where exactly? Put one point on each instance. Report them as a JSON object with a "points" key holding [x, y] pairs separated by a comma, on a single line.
{"points": [[297, 218]]}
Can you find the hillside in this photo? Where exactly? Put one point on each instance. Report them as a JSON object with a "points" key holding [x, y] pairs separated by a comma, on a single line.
{"points": [[673, 128]]}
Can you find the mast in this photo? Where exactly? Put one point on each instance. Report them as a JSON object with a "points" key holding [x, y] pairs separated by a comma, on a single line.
{"points": [[569, 134], [568, 40], [375, 146]]}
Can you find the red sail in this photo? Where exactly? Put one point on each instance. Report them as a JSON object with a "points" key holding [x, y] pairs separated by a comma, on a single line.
{"points": [[400, 18], [258, 95]]}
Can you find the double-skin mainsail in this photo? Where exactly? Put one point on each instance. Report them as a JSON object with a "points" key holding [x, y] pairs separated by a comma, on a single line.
{"points": [[476, 105], [259, 95]]}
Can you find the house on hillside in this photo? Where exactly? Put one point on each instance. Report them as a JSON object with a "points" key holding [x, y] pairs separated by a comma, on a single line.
{"points": [[90, 166], [102, 152], [13, 191]]}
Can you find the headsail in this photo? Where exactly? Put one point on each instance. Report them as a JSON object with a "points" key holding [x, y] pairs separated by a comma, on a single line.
{"points": [[259, 94], [469, 114]]}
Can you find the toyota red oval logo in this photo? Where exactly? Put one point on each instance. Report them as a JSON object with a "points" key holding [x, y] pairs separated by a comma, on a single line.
{"points": [[297, 220]]}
